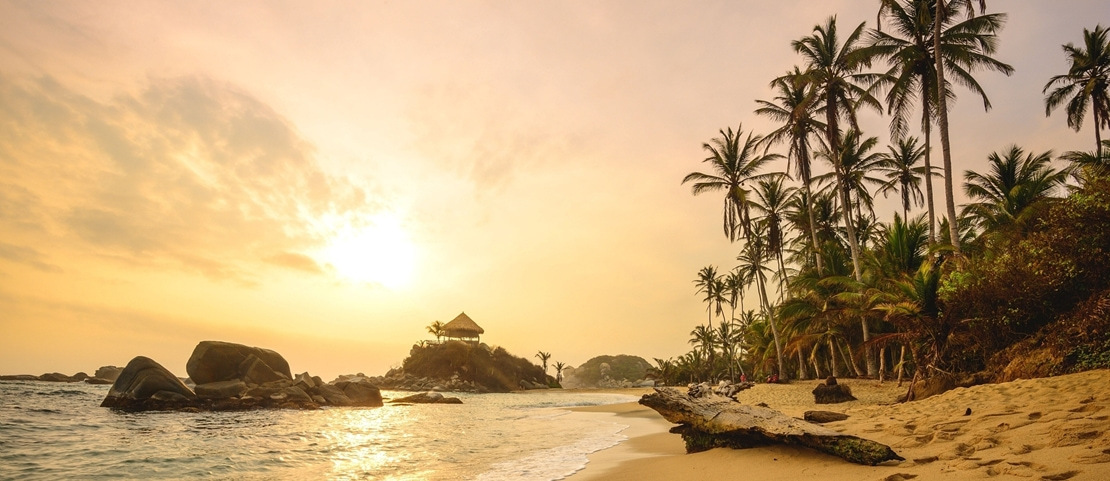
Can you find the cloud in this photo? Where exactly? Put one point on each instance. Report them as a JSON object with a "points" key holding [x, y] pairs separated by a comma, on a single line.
{"points": [[295, 261], [189, 172], [27, 256]]}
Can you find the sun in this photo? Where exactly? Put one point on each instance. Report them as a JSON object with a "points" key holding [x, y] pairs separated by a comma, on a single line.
{"points": [[380, 252]]}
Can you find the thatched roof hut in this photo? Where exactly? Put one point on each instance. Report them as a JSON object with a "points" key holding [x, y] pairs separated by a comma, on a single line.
{"points": [[463, 328]]}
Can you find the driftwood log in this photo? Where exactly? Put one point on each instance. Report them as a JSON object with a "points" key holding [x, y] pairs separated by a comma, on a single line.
{"points": [[715, 421]]}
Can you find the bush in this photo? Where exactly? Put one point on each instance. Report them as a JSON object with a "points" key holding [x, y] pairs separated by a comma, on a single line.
{"points": [[495, 369]]}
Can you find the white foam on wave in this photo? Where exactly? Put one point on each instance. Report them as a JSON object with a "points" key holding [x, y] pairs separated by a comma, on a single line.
{"points": [[558, 462]]}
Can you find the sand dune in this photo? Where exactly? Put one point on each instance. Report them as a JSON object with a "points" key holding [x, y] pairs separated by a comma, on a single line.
{"points": [[1043, 429]]}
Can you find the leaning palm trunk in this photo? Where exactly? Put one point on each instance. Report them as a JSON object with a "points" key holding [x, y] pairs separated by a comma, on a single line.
{"points": [[806, 180], [832, 359], [942, 122], [901, 364], [771, 320]]}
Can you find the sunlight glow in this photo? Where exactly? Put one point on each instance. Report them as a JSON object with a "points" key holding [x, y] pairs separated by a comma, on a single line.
{"points": [[380, 252]]}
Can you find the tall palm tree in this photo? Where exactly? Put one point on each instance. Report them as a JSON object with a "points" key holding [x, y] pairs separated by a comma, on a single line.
{"points": [[1015, 182], [918, 33], [729, 337], [543, 357], [772, 200], [835, 71], [796, 107], [853, 160], [733, 162], [982, 41], [1087, 83], [709, 284], [902, 247], [902, 174], [752, 259]]}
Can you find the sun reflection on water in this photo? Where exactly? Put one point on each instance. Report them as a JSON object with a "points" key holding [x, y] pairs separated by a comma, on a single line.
{"points": [[370, 443]]}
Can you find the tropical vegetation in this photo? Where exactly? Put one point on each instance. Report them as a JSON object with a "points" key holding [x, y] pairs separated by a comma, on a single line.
{"points": [[822, 285]]}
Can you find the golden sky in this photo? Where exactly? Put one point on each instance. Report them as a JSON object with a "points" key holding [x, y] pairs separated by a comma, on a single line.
{"points": [[327, 178]]}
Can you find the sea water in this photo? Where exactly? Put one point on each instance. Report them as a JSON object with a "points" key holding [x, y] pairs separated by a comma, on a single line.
{"points": [[58, 431]]}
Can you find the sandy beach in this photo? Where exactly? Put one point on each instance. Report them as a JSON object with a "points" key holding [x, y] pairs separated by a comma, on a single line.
{"points": [[1045, 429]]}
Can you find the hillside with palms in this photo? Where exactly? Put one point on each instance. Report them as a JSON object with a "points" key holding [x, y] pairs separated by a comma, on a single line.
{"points": [[968, 295]]}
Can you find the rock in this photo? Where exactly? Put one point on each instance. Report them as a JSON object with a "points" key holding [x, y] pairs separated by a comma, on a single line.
{"points": [[221, 389], [427, 398], [98, 380], [255, 371], [333, 395], [108, 372], [214, 361], [361, 393], [831, 392], [822, 417], [715, 421], [56, 377], [19, 377], [140, 381]]}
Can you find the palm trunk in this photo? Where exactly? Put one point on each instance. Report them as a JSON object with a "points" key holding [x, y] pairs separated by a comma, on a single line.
{"points": [[1098, 135], [852, 360], [882, 363], [901, 364], [801, 365], [946, 147], [806, 180], [929, 175], [832, 359], [771, 320]]}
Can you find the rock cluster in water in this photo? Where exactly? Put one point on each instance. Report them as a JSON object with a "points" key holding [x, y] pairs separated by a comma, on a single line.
{"points": [[230, 376], [104, 375]]}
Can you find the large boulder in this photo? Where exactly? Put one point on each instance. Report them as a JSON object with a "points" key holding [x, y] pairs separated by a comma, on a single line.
{"points": [[427, 398], [830, 392], [145, 384], [333, 395], [214, 361], [361, 393]]}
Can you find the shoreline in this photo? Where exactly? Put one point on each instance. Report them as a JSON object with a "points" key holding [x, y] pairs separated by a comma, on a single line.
{"points": [[1048, 428]]}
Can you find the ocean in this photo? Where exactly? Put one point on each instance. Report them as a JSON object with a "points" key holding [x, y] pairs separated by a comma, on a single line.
{"points": [[58, 431]]}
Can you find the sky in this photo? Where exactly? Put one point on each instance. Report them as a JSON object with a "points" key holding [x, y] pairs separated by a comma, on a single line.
{"points": [[326, 179]]}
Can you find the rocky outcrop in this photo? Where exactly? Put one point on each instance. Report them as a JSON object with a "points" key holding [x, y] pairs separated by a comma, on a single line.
{"points": [[146, 385], [426, 398], [214, 361], [109, 373], [398, 380], [232, 377]]}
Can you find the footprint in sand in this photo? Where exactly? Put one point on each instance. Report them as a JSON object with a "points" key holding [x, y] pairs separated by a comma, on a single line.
{"points": [[1092, 457], [1035, 416], [1060, 476]]}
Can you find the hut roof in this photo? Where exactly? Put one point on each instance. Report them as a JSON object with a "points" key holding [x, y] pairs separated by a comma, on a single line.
{"points": [[463, 323]]}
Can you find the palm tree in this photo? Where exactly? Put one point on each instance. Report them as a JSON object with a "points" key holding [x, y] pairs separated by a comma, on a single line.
{"points": [[751, 263], [1015, 182], [902, 247], [902, 175], [853, 161], [795, 107], [982, 42], [834, 69], [1088, 164], [773, 201], [1087, 83], [735, 283], [917, 34], [711, 285], [705, 339], [729, 337], [733, 162], [559, 366], [856, 162], [544, 356], [436, 329]]}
